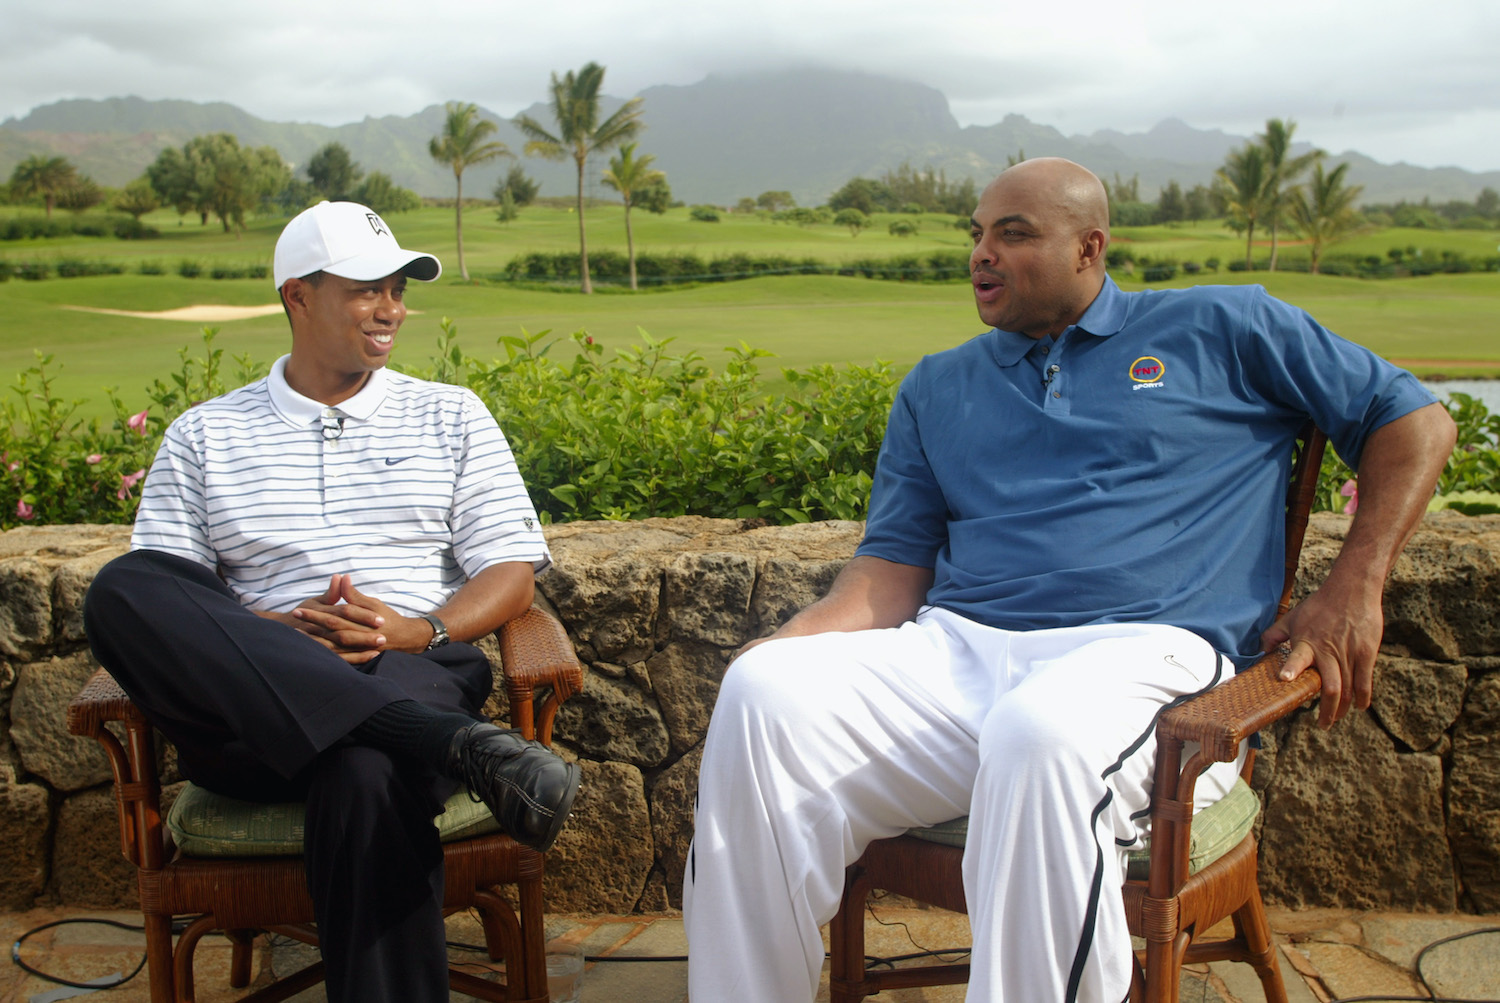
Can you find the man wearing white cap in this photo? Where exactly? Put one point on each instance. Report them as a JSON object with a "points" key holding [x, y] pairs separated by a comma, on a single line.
{"points": [[306, 549]]}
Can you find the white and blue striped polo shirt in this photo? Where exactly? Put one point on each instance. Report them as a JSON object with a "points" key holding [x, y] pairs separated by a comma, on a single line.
{"points": [[417, 493]]}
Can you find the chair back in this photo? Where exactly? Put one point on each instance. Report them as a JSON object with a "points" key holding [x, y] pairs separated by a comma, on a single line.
{"points": [[1307, 463]]}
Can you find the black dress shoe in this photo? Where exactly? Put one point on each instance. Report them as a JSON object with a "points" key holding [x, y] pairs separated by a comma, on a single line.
{"points": [[527, 787]]}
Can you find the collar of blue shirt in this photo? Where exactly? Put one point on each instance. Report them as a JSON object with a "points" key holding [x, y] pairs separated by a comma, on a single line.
{"points": [[1104, 317]]}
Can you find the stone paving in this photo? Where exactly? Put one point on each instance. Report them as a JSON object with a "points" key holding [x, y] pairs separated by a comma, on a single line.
{"points": [[1326, 955]]}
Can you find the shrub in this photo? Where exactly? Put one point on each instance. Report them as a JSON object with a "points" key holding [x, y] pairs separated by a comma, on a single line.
{"points": [[1473, 467], [652, 433], [673, 267], [902, 228], [853, 218], [73, 268], [1212, 264], [1191, 268], [35, 227], [189, 269], [644, 433], [57, 468], [704, 213], [33, 271], [1159, 272], [1117, 257], [134, 229], [145, 267]]}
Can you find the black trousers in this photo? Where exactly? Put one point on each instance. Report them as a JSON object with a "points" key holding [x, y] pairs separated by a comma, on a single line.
{"points": [[261, 712]]}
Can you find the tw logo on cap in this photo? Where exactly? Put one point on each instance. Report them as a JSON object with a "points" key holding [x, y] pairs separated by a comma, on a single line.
{"points": [[377, 224]]}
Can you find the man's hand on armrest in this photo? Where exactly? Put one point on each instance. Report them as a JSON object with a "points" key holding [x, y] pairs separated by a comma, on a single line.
{"points": [[1339, 626]]}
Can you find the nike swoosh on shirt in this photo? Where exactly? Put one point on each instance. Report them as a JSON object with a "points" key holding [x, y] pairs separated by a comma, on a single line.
{"points": [[392, 462]]}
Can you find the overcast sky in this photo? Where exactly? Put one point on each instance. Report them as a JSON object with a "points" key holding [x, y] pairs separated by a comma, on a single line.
{"points": [[1414, 82]]}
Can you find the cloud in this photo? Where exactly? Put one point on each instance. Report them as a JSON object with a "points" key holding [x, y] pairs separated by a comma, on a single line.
{"points": [[1419, 83]]}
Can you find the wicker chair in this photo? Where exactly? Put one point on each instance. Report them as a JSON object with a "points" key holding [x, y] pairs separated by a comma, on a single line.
{"points": [[1198, 870], [241, 894]]}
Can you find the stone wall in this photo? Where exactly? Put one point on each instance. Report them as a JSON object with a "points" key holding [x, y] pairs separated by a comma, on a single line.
{"points": [[1398, 807]]}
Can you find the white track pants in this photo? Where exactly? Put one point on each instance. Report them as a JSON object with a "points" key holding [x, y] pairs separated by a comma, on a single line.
{"points": [[819, 745]]}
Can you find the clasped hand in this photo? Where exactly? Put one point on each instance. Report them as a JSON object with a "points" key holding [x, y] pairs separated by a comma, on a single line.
{"points": [[354, 626]]}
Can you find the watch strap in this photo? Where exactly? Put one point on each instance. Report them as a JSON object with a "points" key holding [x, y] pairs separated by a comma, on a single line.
{"points": [[439, 631]]}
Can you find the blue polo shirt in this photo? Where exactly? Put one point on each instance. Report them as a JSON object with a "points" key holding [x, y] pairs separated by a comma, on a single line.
{"points": [[1132, 469]]}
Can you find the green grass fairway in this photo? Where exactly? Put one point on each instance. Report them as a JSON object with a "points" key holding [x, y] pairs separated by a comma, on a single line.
{"points": [[803, 319], [488, 244], [1438, 324], [1446, 324]]}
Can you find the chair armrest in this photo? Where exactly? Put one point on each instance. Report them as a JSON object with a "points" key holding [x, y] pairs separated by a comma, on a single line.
{"points": [[536, 654], [132, 761], [1231, 712], [100, 700]]}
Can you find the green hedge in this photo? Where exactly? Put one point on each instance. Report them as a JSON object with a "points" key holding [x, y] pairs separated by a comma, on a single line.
{"points": [[37, 269], [644, 432], [676, 267]]}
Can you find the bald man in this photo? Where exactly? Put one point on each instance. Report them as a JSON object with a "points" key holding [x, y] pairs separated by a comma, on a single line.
{"points": [[1076, 519]]}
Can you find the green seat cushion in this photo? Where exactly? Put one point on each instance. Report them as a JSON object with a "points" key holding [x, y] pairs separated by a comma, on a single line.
{"points": [[205, 824], [1216, 830]]}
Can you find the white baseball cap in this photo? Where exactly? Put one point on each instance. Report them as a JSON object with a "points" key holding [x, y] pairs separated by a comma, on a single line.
{"points": [[348, 240]]}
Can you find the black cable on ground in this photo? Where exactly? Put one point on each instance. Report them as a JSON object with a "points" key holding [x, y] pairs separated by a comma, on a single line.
{"points": [[15, 955], [870, 961], [1432, 996]]}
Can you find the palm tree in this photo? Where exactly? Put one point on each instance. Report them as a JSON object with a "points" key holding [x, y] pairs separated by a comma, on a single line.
{"points": [[629, 175], [1328, 213], [462, 145], [48, 177], [1241, 183], [1282, 171], [575, 107]]}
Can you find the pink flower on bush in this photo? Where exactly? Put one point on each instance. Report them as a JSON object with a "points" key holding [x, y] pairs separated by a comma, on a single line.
{"points": [[93, 458], [24, 511], [1350, 490], [137, 423], [128, 481]]}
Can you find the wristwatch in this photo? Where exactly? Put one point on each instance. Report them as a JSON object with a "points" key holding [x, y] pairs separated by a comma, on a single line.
{"points": [[439, 632]]}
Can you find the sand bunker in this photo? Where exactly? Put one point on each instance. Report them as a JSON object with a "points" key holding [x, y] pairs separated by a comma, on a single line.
{"points": [[199, 314]]}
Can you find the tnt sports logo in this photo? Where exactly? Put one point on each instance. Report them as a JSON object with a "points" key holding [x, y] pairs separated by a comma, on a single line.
{"points": [[376, 223], [1147, 372]]}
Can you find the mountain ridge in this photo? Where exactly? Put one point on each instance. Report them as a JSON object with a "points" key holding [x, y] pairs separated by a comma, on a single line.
{"points": [[804, 130]]}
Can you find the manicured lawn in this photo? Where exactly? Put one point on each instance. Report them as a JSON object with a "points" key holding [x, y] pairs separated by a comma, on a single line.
{"points": [[804, 320]]}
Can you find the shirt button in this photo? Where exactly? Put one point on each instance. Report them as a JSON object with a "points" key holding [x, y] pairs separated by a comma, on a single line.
{"points": [[1056, 393], [1046, 349]]}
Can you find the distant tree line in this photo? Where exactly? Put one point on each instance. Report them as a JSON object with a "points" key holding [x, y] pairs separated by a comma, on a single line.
{"points": [[212, 176], [1481, 214], [907, 190]]}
